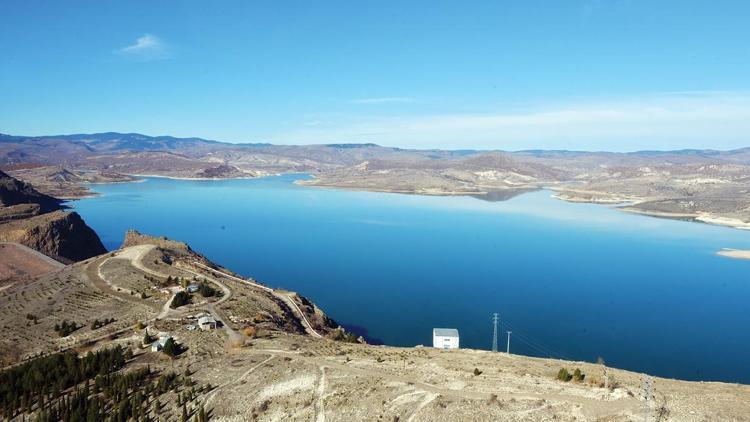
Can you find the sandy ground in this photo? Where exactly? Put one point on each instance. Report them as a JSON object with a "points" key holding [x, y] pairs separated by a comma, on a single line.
{"points": [[734, 253], [18, 261]]}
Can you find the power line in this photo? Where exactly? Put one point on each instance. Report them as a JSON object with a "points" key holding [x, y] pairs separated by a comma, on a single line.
{"points": [[535, 344]]}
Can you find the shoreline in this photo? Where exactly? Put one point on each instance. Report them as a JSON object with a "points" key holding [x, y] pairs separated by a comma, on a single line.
{"points": [[158, 176], [628, 206], [387, 190], [734, 253], [704, 218]]}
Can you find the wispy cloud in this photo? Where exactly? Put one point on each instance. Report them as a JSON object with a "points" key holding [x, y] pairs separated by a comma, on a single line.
{"points": [[665, 121], [146, 48], [382, 100]]}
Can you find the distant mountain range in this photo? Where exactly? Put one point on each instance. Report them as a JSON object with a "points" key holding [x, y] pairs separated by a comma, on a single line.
{"points": [[115, 141]]}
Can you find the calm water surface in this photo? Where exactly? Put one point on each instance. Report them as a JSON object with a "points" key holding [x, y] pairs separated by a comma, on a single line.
{"points": [[576, 281]]}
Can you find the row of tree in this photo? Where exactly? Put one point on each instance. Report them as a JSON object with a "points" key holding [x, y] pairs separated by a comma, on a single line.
{"points": [[66, 328], [98, 324]]}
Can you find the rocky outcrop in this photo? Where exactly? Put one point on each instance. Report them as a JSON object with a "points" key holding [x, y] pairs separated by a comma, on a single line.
{"points": [[61, 235], [37, 221], [18, 212], [223, 171], [15, 192], [134, 237]]}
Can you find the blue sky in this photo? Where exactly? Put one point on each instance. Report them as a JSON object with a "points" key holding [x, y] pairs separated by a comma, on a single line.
{"points": [[603, 75]]}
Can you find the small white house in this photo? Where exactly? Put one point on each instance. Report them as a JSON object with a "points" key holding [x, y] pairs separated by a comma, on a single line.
{"points": [[445, 338], [158, 345], [207, 323]]}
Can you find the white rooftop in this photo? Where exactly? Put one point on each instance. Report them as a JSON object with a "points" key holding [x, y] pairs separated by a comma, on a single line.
{"points": [[206, 319], [445, 332]]}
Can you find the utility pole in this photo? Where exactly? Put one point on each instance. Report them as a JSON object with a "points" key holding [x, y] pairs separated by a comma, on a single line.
{"points": [[495, 320], [507, 347]]}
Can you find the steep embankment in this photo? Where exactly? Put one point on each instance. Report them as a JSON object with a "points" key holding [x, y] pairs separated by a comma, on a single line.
{"points": [[59, 234], [37, 221], [16, 192]]}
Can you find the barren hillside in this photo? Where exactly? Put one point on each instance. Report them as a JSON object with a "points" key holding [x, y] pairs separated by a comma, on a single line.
{"points": [[275, 356]]}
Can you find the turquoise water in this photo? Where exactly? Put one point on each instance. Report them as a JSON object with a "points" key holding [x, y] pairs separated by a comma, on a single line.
{"points": [[576, 281]]}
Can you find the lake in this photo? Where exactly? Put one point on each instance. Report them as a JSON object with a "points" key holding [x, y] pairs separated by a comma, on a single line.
{"points": [[575, 281]]}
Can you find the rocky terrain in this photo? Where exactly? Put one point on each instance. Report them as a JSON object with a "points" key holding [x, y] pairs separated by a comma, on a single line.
{"points": [[702, 185], [39, 222], [62, 182]]}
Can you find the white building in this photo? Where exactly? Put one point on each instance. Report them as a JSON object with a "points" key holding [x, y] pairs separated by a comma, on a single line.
{"points": [[445, 338], [158, 345], [207, 323]]}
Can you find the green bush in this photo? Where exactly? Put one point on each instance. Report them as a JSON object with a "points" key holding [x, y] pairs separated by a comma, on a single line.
{"points": [[563, 375], [66, 328], [578, 376], [207, 291], [172, 348], [341, 334], [180, 299]]}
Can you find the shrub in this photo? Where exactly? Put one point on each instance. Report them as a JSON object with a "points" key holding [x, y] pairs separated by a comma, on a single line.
{"points": [[339, 334], [477, 372], [249, 331], [171, 348], [578, 376], [563, 375], [66, 328], [180, 299], [207, 291]]}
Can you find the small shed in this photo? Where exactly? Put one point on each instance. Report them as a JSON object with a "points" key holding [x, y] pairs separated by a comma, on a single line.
{"points": [[192, 288], [207, 323], [445, 338], [158, 345]]}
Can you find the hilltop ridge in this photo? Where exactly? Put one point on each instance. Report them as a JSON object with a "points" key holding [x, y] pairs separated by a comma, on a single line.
{"points": [[702, 185]]}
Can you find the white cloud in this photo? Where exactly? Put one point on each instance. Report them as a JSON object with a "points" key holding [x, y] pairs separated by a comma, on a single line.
{"points": [[666, 121], [147, 47], [382, 100]]}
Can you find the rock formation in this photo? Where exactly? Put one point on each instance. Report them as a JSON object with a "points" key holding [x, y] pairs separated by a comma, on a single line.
{"points": [[38, 222]]}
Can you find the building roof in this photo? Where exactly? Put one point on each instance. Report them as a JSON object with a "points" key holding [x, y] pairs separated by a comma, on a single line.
{"points": [[206, 320], [445, 332]]}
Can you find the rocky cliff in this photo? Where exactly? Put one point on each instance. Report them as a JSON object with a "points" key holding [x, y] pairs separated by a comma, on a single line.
{"points": [[37, 220], [59, 234], [15, 192]]}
